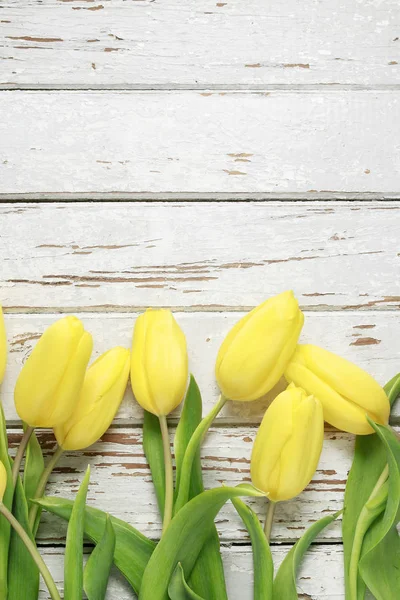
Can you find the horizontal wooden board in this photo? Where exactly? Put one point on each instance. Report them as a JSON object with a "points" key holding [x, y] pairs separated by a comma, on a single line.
{"points": [[200, 142], [121, 483], [147, 43], [198, 256], [320, 576], [370, 339]]}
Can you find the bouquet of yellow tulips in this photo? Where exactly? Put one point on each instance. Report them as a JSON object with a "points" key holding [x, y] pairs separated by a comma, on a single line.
{"points": [[56, 389]]}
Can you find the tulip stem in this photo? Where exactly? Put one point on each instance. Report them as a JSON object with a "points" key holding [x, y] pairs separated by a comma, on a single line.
{"points": [[33, 551], [33, 511], [20, 453], [363, 522], [169, 481], [269, 518]]}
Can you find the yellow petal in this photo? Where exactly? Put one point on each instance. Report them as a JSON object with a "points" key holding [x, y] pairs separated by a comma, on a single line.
{"points": [[3, 480]]}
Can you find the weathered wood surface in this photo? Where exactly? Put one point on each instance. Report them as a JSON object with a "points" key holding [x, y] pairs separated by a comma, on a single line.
{"points": [[121, 482], [272, 142], [90, 43], [370, 339], [198, 256], [320, 576]]}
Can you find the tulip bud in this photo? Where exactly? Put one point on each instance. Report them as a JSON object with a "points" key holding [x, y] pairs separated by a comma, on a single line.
{"points": [[3, 480], [347, 393], [101, 394], [256, 351], [49, 383], [288, 445], [159, 364], [3, 346]]}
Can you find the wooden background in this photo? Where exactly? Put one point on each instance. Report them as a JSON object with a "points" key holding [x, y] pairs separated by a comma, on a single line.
{"points": [[203, 156]]}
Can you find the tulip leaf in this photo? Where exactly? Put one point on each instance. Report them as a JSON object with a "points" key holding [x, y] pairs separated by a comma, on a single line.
{"points": [[33, 469], [98, 567], [153, 449], [73, 561], [262, 558], [285, 580], [184, 539], [7, 501], [20, 562], [379, 564], [132, 548], [368, 463], [178, 589], [207, 577]]}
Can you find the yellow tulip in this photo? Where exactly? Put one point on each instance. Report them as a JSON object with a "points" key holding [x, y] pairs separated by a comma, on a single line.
{"points": [[3, 480], [256, 351], [49, 383], [159, 364], [3, 346], [347, 393], [288, 445], [101, 394]]}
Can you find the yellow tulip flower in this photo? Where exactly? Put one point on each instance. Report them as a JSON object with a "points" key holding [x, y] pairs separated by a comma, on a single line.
{"points": [[101, 394], [3, 346], [49, 383], [3, 480], [256, 351], [159, 363], [347, 393], [288, 445]]}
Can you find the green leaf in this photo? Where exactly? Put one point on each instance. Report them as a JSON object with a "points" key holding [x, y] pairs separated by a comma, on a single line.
{"points": [[368, 464], [33, 469], [178, 589], [98, 567], [23, 574], [207, 577], [73, 561], [132, 548], [153, 449], [285, 580], [262, 559], [379, 564], [7, 501], [184, 538]]}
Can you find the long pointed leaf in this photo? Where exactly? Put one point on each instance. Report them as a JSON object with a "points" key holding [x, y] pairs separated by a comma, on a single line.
{"points": [[23, 574], [33, 469], [97, 570], [285, 580], [184, 539], [132, 549], [73, 562], [153, 449], [7, 501], [178, 589], [262, 558]]}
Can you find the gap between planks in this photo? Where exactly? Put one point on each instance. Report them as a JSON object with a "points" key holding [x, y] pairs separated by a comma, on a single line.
{"points": [[173, 87]]}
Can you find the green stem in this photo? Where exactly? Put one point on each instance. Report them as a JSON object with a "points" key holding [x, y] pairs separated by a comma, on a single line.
{"points": [[269, 518], [33, 551], [42, 484], [20, 453], [191, 450], [363, 523], [169, 481]]}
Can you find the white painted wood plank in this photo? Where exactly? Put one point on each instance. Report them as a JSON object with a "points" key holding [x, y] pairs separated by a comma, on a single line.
{"points": [[271, 142], [121, 483], [370, 339], [201, 43], [320, 576], [120, 256]]}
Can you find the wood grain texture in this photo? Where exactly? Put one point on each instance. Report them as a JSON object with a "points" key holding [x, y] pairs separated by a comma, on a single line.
{"points": [[200, 142], [147, 43], [370, 339], [238, 564], [121, 483], [198, 256]]}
